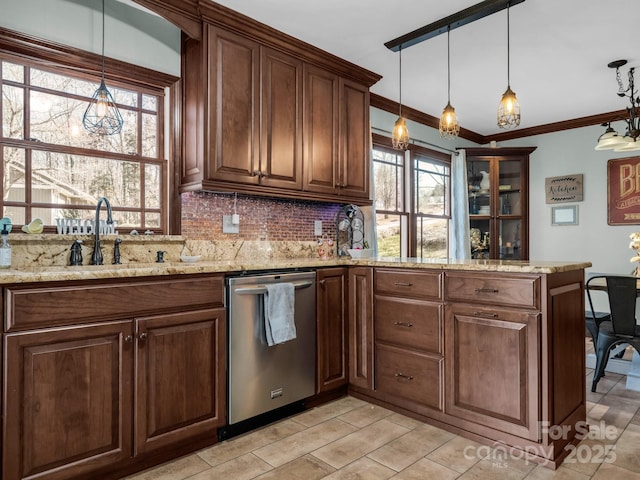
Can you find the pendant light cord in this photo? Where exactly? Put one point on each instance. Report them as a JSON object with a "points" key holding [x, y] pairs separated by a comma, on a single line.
{"points": [[448, 65], [103, 40], [508, 50], [400, 76]]}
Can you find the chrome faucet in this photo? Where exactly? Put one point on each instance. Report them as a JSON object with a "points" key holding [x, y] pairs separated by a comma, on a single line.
{"points": [[96, 256]]}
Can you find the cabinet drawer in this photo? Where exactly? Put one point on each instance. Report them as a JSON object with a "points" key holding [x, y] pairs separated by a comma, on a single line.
{"points": [[413, 376], [408, 283], [66, 304], [511, 290], [408, 322]]}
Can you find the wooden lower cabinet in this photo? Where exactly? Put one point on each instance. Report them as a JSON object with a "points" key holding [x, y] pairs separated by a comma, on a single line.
{"points": [[492, 375], [408, 375], [497, 357], [361, 327], [180, 381], [96, 399], [67, 401], [331, 318]]}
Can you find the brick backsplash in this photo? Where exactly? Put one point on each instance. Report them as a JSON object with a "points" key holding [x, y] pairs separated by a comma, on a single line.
{"points": [[261, 218]]}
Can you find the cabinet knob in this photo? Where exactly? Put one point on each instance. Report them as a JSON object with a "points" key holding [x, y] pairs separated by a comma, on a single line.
{"points": [[255, 173], [128, 338], [143, 336], [322, 282], [264, 174]]}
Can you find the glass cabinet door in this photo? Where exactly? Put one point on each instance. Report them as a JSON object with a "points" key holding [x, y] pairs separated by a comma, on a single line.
{"points": [[498, 202], [509, 209]]}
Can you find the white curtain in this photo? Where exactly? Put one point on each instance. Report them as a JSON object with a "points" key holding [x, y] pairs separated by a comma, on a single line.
{"points": [[459, 243]]}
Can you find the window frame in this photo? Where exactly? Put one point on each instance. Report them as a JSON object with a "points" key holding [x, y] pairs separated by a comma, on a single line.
{"points": [[408, 244], [60, 59]]}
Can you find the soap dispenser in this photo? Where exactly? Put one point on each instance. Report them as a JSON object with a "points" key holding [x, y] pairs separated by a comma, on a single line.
{"points": [[5, 249]]}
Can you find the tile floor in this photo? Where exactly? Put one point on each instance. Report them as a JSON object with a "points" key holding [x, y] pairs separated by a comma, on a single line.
{"points": [[349, 439]]}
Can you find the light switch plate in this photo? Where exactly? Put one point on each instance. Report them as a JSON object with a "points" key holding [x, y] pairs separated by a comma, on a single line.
{"points": [[228, 226], [317, 228]]}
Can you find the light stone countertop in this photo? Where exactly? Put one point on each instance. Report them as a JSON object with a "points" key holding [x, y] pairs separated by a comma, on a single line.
{"points": [[88, 272]]}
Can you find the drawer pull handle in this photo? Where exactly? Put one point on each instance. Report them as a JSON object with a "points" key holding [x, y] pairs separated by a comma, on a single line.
{"points": [[485, 314], [403, 324], [403, 284], [486, 290], [405, 377]]}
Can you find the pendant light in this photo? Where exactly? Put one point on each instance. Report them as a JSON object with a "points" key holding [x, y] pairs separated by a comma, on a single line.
{"points": [[400, 136], [449, 125], [102, 116], [509, 107]]}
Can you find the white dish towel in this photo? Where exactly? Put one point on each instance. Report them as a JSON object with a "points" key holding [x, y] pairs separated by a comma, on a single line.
{"points": [[279, 323]]}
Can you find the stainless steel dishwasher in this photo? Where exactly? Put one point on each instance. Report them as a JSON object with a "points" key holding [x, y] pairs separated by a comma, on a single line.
{"points": [[264, 380]]}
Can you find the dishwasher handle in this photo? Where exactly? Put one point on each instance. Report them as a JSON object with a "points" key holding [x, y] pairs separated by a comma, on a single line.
{"points": [[262, 289]]}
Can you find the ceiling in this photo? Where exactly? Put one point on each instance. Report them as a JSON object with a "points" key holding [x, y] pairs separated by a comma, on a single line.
{"points": [[559, 52]]}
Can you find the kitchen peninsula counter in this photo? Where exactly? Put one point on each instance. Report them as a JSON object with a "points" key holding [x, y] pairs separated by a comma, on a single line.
{"points": [[89, 272]]}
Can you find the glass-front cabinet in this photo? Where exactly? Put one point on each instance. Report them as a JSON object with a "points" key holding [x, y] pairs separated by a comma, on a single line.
{"points": [[498, 180]]}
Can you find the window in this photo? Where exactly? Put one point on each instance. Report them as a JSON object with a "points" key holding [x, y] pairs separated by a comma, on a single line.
{"points": [[53, 169], [412, 205]]}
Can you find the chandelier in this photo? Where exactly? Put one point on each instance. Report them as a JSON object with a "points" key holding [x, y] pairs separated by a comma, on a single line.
{"points": [[610, 139]]}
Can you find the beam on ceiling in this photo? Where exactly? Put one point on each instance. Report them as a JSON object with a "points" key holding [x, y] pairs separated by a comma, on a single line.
{"points": [[468, 15]]}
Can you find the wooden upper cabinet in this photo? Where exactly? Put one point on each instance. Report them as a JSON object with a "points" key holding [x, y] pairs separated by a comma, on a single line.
{"points": [[321, 117], [355, 148], [266, 115], [233, 134], [281, 140], [336, 129]]}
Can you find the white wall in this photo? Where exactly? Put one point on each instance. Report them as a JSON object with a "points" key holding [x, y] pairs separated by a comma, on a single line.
{"points": [[131, 34], [561, 153]]}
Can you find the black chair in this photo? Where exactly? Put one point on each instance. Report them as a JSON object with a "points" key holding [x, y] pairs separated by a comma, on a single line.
{"points": [[622, 328], [592, 321]]}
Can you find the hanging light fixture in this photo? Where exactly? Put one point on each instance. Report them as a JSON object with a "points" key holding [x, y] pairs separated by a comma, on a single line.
{"points": [[509, 107], [400, 136], [102, 116], [610, 139], [449, 125]]}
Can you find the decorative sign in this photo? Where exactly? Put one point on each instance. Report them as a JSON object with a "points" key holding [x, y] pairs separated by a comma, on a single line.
{"points": [[623, 191], [567, 188]]}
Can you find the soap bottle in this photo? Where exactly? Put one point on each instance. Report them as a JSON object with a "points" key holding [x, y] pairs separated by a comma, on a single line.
{"points": [[5, 249]]}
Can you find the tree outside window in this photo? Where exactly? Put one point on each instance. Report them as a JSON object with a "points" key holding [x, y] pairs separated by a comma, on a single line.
{"points": [[412, 207], [53, 169]]}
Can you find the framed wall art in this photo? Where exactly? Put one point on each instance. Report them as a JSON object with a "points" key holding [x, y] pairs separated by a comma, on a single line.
{"points": [[623, 191], [564, 215]]}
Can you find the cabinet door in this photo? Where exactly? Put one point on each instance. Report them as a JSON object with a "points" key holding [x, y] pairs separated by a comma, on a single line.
{"points": [[233, 107], [499, 202], [321, 97], [68, 397], [281, 133], [180, 377], [492, 372], [361, 327], [355, 148], [331, 307]]}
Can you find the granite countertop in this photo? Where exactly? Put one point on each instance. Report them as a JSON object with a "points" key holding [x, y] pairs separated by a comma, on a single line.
{"points": [[88, 272]]}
